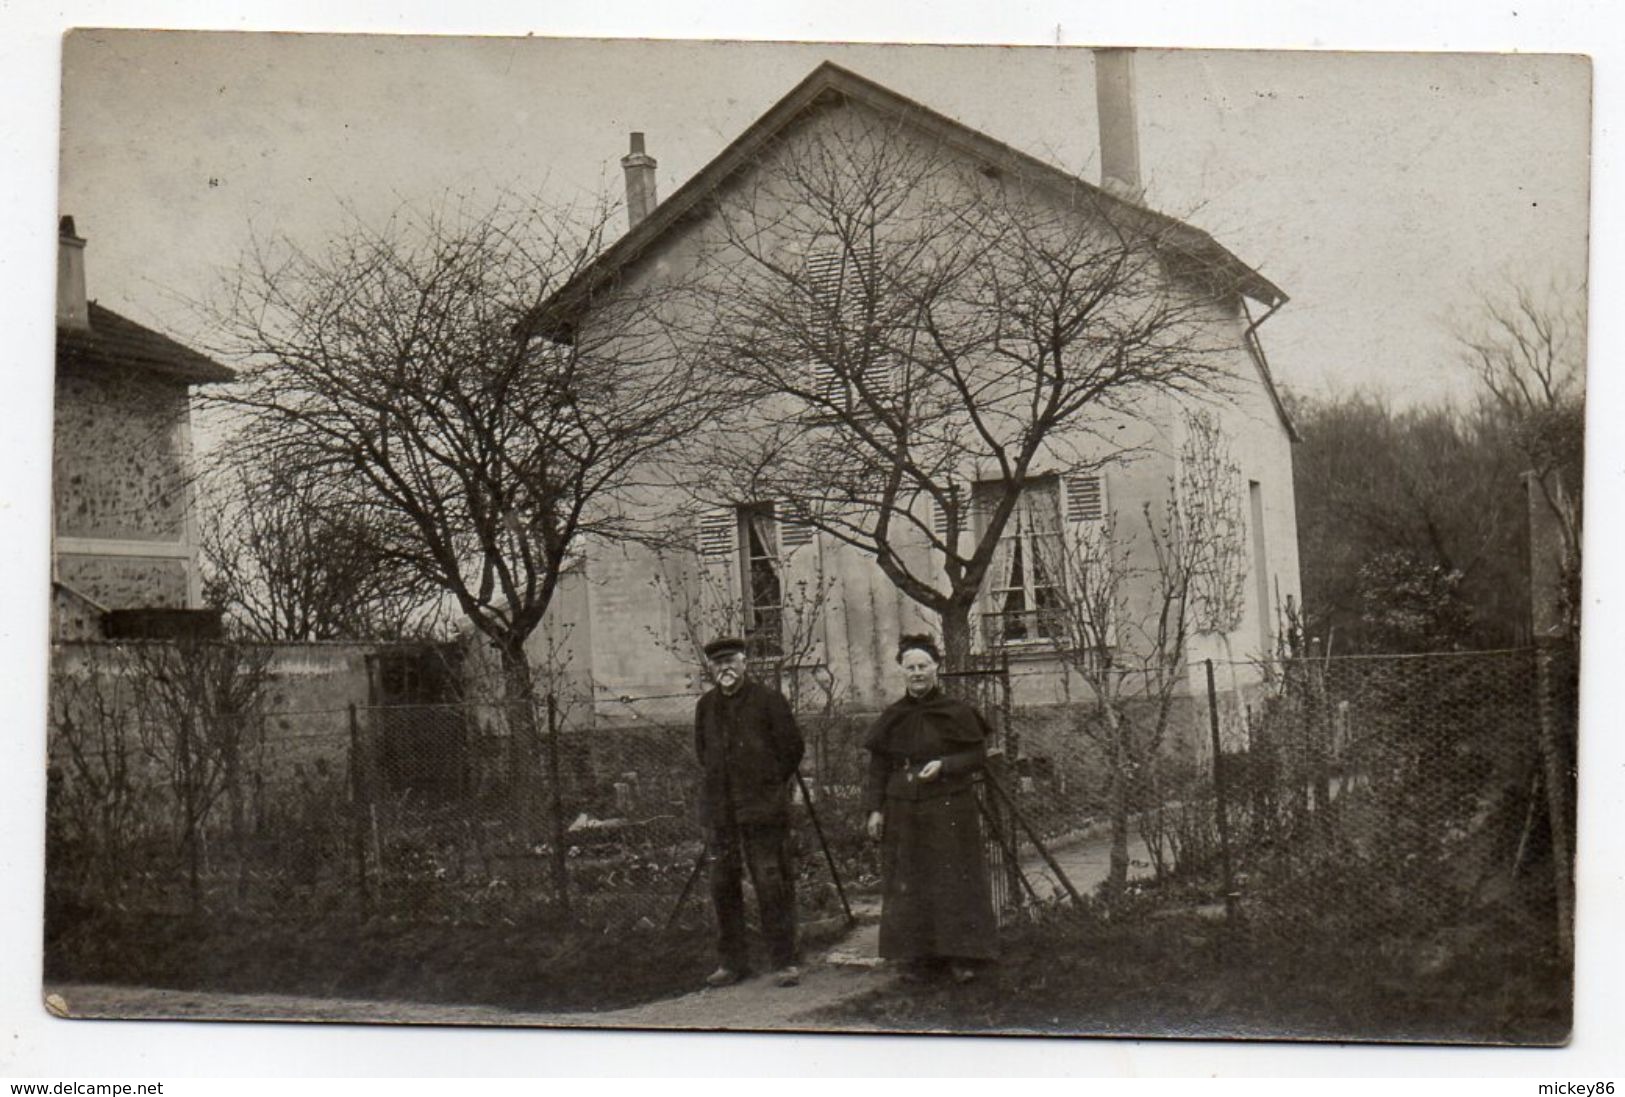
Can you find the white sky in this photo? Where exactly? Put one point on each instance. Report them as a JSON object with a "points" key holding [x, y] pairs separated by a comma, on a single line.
{"points": [[1372, 238], [1378, 191]]}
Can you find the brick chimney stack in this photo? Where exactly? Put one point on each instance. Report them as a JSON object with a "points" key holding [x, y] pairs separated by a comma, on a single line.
{"points": [[1119, 126], [640, 182], [71, 309]]}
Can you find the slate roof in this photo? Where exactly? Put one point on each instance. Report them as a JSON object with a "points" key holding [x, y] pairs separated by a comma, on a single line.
{"points": [[113, 342]]}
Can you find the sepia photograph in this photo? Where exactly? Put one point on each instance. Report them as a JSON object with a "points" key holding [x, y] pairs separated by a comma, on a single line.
{"points": [[817, 537]]}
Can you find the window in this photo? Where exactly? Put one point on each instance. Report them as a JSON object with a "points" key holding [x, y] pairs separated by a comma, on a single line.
{"points": [[763, 587], [847, 344], [760, 578], [1022, 600]]}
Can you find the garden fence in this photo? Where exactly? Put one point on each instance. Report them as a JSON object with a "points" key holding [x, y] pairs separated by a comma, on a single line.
{"points": [[1378, 792]]}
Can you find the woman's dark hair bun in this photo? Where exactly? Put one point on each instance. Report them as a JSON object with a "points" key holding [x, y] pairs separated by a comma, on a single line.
{"points": [[918, 641]]}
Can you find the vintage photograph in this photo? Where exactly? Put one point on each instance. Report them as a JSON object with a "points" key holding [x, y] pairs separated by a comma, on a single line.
{"points": [[817, 537]]}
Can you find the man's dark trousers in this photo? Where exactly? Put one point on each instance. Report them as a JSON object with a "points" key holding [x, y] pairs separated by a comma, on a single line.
{"points": [[763, 848]]}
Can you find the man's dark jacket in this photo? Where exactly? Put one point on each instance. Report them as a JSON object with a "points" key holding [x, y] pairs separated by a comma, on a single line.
{"points": [[749, 748]]}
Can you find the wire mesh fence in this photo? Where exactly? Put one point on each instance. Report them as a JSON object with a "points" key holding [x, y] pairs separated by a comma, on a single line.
{"points": [[1358, 796], [1383, 799]]}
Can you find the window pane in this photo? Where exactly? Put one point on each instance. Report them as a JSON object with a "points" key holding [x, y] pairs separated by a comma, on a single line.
{"points": [[763, 590]]}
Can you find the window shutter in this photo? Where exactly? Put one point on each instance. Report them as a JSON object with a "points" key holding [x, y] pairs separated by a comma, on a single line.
{"points": [[1085, 498], [879, 377], [939, 513], [824, 284], [835, 280], [792, 534], [717, 534], [718, 601], [1086, 510]]}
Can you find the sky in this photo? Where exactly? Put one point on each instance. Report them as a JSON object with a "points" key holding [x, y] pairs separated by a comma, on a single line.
{"points": [[1373, 191], [1382, 193]]}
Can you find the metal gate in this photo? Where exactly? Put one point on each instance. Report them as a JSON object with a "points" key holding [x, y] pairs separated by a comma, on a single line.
{"points": [[985, 684]]}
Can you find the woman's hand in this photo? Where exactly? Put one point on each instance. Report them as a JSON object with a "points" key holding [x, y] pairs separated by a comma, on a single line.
{"points": [[929, 771], [876, 822]]}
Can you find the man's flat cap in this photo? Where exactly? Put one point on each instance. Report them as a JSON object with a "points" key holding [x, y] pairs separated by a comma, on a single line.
{"points": [[724, 645]]}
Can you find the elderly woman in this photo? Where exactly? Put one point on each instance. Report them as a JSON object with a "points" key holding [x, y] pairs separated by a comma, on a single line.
{"points": [[923, 753]]}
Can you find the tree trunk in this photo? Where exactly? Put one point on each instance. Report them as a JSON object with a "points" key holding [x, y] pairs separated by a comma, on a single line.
{"points": [[232, 750], [1117, 876], [519, 696], [186, 746], [956, 636], [555, 778]]}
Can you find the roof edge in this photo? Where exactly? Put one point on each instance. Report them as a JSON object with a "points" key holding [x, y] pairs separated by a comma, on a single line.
{"points": [[559, 312]]}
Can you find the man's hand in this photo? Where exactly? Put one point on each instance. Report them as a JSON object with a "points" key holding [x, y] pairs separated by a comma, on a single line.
{"points": [[929, 771], [876, 822]]}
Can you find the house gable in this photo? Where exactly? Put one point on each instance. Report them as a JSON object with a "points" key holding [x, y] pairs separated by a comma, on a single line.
{"points": [[1191, 253]]}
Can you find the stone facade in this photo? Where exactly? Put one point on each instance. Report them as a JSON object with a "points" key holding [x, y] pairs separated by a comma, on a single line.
{"points": [[122, 490], [133, 582], [120, 466]]}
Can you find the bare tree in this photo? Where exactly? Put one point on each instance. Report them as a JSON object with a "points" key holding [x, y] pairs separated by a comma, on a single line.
{"points": [[199, 720], [408, 369], [898, 323], [1124, 613], [703, 607], [287, 560], [1413, 546], [1527, 349], [95, 807]]}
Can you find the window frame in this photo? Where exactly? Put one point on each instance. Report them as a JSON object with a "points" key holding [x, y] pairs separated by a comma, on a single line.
{"points": [[999, 622], [760, 622]]}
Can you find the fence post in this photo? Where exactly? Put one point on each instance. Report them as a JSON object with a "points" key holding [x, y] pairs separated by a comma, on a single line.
{"points": [[561, 864], [1219, 799], [358, 814], [1557, 773]]}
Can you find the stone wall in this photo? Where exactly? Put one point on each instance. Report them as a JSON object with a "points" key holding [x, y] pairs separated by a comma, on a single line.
{"points": [[120, 457], [126, 582], [305, 710]]}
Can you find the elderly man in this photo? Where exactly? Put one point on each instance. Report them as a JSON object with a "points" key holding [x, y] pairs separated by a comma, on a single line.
{"points": [[749, 749]]}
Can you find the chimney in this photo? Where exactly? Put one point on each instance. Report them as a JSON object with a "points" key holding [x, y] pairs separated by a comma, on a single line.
{"points": [[640, 182], [1119, 128], [71, 310]]}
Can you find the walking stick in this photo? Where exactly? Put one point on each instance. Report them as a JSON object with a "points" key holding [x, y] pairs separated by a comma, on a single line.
{"points": [[829, 858], [699, 863]]}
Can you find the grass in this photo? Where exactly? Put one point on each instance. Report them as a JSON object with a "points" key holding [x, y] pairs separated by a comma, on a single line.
{"points": [[516, 966], [532, 966], [1179, 971]]}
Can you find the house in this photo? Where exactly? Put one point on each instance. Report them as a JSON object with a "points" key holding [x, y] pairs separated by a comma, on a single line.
{"points": [[631, 615], [124, 552]]}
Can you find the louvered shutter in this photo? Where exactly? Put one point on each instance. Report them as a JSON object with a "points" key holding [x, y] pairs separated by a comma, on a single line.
{"points": [[939, 514], [1085, 507], [824, 283], [1085, 498], [717, 542], [804, 583], [836, 281], [880, 378]]}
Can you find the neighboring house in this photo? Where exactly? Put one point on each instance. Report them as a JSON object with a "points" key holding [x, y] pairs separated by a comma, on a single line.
{"points": [[124, 557], [636, 612]]}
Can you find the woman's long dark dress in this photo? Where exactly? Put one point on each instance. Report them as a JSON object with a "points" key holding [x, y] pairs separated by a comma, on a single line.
{"points": [[937, 899]]}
